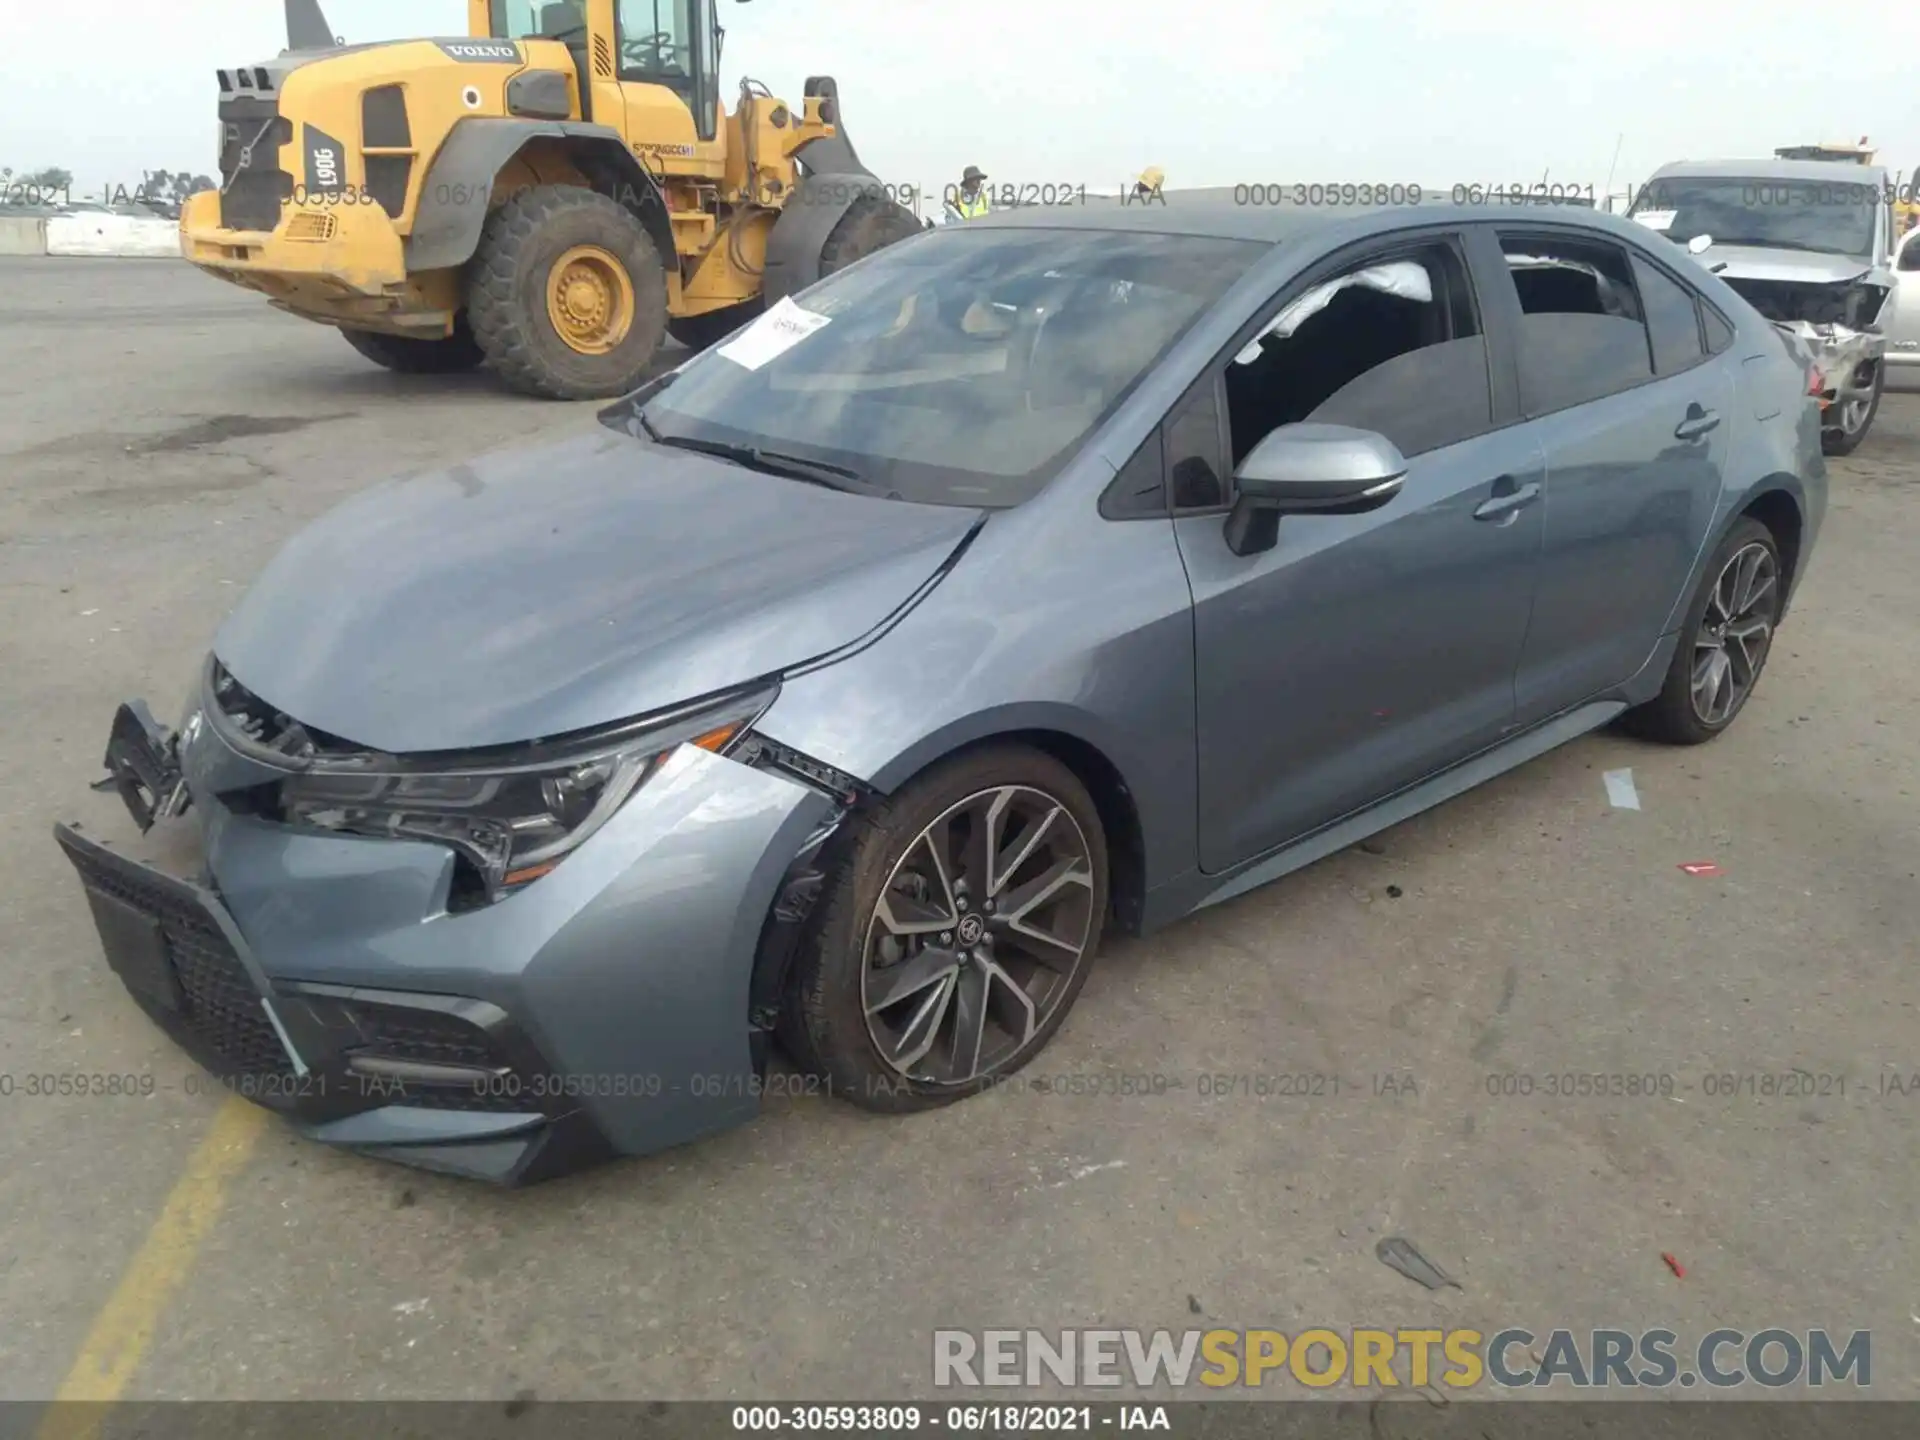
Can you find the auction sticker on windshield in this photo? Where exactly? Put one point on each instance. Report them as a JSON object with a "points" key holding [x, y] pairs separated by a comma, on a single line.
{"points": [[772, 335], [1657, 219]]}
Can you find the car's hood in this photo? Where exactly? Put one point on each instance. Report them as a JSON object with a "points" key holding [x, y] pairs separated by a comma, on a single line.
{"points": [[1800, 267], [540, 591]]}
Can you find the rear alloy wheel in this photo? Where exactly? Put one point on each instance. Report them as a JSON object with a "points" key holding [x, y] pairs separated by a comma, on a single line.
{"points": [[1724, 645], [1856, 416], [957, 936]]}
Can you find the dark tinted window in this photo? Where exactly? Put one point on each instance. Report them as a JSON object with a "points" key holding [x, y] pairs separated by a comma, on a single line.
{"points": [[1581, 332], [1391, 343], [1421, 400], [1719, 332], [1195, 465], [1673, 318], [1140, 489], [958, 367]]}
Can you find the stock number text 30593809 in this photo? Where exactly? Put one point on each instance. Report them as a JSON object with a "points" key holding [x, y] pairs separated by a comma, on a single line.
{"points": [[1346, 193]]}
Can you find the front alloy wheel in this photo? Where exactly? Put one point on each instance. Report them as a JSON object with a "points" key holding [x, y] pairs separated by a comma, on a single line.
{"points": [[977, 936], [958, 930]]}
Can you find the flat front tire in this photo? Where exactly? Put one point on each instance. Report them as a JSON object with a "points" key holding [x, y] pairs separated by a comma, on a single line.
{"points": [[955, 937]]}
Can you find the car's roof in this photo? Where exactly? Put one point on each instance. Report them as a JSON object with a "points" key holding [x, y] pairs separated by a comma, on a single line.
{"points": [[1225, 213], [1832, 172]]}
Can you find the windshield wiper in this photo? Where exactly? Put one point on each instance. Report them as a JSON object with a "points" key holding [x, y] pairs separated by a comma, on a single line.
{"points": [[771, 462]]}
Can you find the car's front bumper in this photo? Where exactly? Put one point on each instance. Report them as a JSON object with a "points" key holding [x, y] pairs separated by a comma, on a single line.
{"points": [[1847, 360], [602, 1010]]}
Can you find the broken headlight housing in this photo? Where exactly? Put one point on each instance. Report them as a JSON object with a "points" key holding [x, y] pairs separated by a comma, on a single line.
{"points": [[512, 815]]}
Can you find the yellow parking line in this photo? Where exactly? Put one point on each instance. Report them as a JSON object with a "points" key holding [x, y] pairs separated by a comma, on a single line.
{"points": [[125, 1326]]}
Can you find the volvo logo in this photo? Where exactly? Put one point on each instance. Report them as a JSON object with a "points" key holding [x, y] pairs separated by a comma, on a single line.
{"points": [[972, 930]]}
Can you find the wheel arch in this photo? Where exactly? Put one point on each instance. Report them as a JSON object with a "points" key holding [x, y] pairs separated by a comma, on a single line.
{"points": [[1779, 505], [456, 194], [1064, 735]]}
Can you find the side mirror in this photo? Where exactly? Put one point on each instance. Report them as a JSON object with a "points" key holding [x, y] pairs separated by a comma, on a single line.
{"points": [[1698, 244], [1310, 469]]}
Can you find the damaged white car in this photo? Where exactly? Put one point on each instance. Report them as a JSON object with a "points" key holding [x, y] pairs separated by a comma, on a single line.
{"points": [[1808, 244]]}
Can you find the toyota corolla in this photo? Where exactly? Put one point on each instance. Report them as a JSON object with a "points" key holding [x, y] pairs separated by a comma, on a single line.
{"points": [[1057, 574]]}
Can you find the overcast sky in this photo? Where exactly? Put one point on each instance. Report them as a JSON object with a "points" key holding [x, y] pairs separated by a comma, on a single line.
{"points": [[1090, 91]]}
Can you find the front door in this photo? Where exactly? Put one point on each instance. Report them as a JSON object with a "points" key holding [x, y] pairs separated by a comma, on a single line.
{"points": [[1362, 652]]}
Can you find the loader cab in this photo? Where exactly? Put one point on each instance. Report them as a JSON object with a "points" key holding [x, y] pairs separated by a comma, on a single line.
{"points": [[674, 44]]}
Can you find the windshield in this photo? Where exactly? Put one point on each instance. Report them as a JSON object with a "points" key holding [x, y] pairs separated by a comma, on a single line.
{"points": [[958, 367], [1835, 217]]}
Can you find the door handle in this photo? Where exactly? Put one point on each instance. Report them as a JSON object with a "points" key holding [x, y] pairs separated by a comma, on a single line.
{"points": [[1504, 504], [1697, 423]]}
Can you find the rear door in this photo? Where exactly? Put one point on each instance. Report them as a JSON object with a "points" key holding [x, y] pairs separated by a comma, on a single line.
{"points": [[1634, 413]]}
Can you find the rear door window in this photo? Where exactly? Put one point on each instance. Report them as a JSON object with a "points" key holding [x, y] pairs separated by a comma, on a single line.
{"points": [[1673, 319], [1583, 333]]}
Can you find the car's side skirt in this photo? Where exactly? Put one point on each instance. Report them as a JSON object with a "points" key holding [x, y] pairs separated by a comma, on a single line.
{"points": [[1403, 805]]}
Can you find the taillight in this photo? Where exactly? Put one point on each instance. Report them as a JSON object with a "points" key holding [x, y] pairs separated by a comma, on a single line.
{"points": [[1817, 385]]}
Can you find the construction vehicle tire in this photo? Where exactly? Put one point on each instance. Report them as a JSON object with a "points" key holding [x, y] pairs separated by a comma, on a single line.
{"points": [[567, 294], [697, 332], [416, 355], [871, 223]]}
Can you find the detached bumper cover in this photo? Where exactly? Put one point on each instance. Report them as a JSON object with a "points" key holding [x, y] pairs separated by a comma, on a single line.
{"points": [[1842, 354], [603, 1010]]}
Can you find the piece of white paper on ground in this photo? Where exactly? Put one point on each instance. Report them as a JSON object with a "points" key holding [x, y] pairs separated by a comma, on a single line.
{"points": [[1620, 790], [772, 335], [1657, 219]]}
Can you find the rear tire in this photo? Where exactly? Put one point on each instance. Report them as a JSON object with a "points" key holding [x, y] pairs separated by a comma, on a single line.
{"points": [[567, 294], [871, 223], [1724, 642], [859, 950], [415, 355], [697, 332]]}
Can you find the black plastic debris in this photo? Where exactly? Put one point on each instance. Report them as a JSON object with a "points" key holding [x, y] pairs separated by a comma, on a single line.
{"points": [[1403, 1256]]}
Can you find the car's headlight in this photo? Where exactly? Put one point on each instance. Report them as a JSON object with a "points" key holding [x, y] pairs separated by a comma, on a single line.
{"points": [[513, 815]]}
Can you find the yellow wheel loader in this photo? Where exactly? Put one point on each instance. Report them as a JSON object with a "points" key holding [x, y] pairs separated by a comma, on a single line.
{"points": [[552, 194]]}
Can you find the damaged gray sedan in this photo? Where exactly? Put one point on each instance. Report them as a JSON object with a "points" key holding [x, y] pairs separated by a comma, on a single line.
{"points": [[1060, 573], [1807, 243]]}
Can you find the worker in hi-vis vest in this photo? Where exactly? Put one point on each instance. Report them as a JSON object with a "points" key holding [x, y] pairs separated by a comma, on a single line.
{"points": [[969, 202]]}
